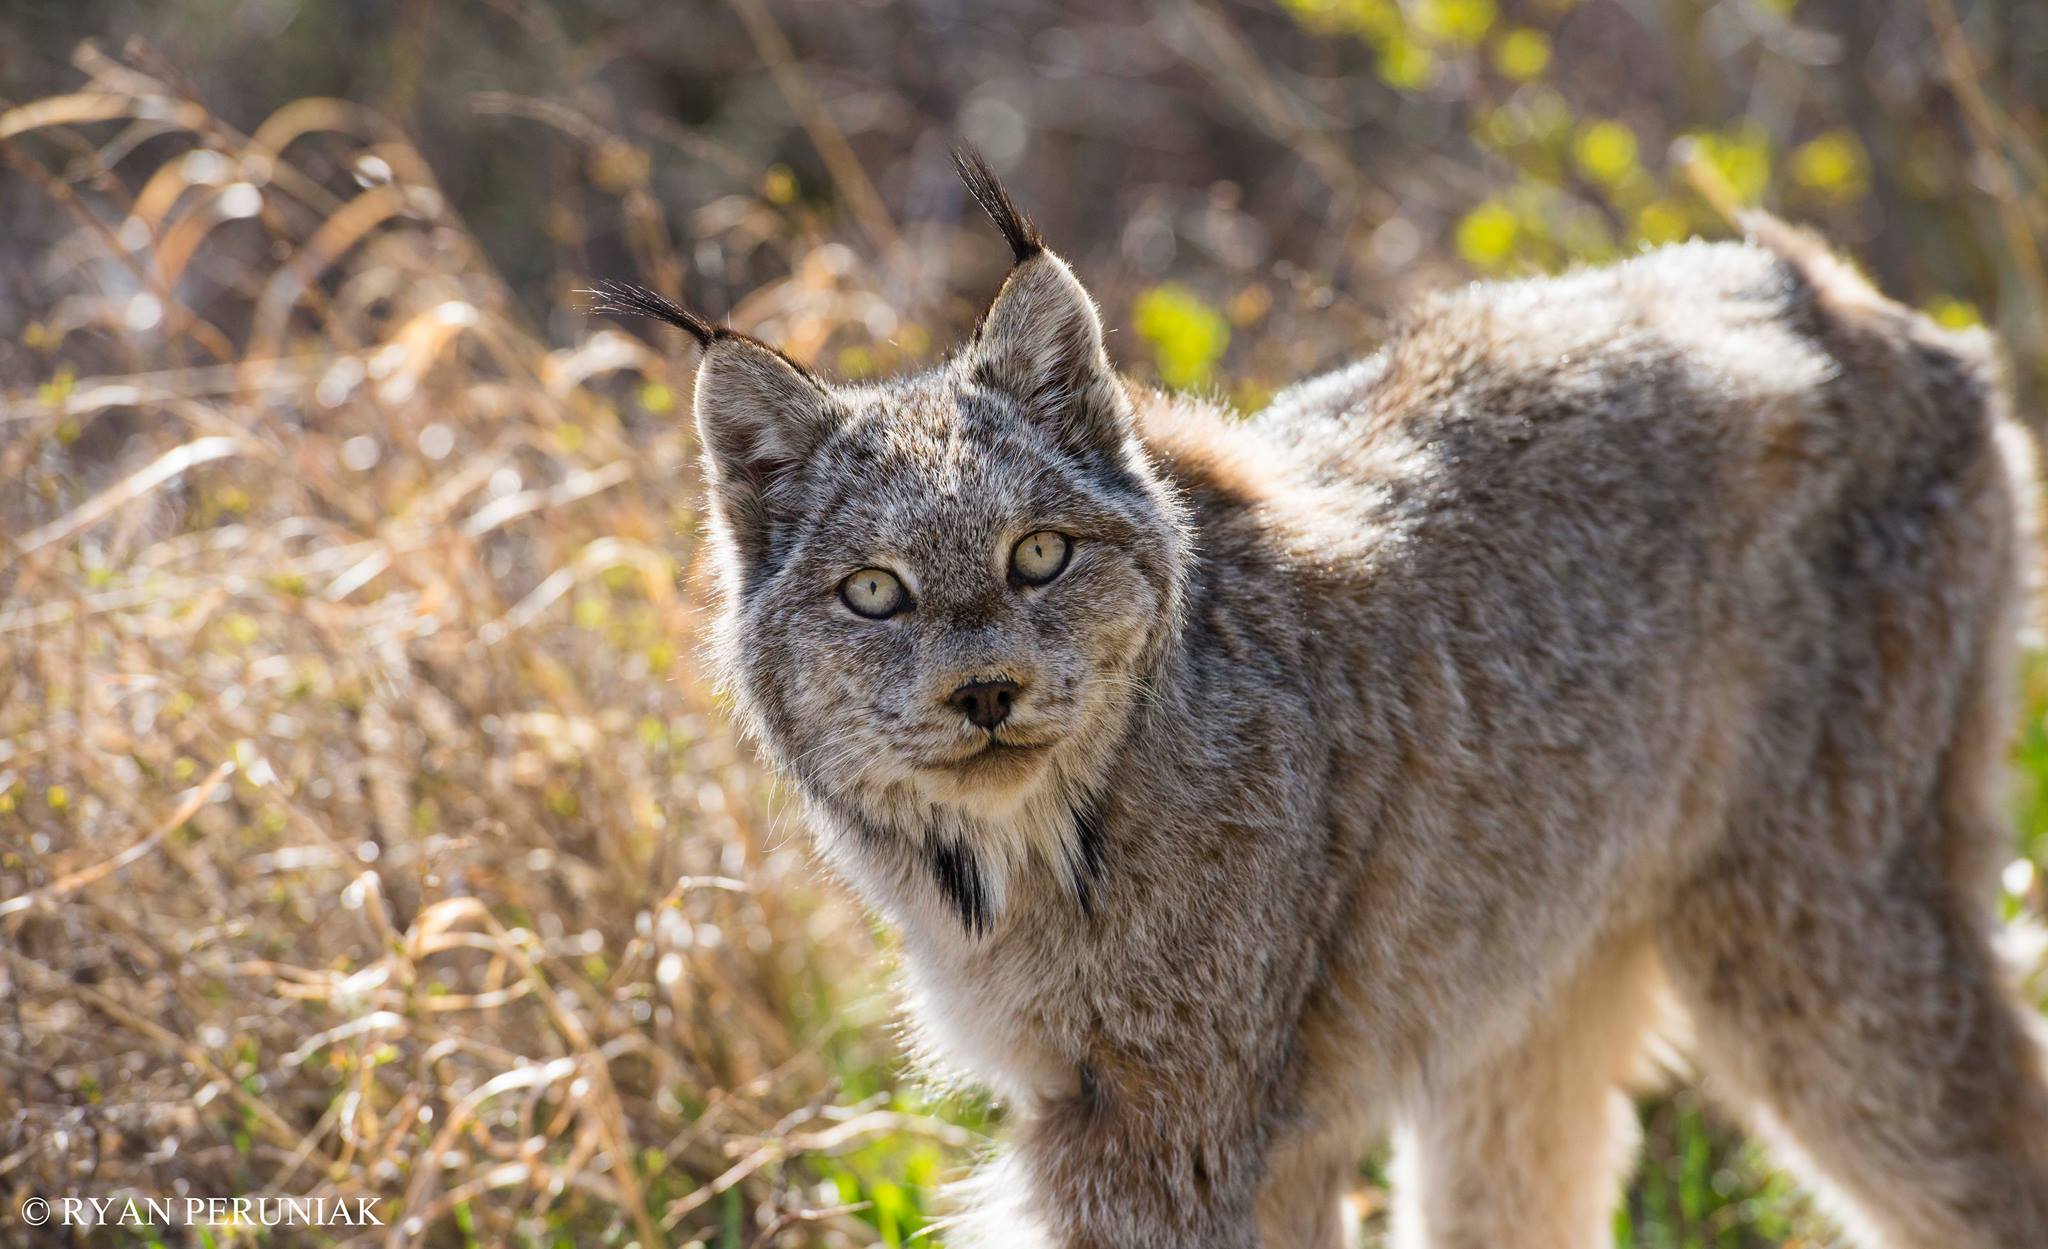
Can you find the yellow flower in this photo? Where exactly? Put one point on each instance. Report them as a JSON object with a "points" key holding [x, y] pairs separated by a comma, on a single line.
{"points": [[1186, 334], [1663, 221], [1405, 64], [1955, 314], [1606, 151], [1832, 165], [1460, 23], [1486, 236], [1522, 54]]}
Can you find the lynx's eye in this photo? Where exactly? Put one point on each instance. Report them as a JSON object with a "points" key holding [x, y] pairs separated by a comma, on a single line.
{"points": [[1040, 557], [874, 593]]}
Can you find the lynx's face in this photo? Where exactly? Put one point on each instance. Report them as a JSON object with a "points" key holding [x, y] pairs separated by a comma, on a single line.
{"points": [[956, 611], [943, 595]]}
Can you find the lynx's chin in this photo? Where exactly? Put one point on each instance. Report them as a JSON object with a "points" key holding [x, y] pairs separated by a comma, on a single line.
{"points": [[995, 770]]}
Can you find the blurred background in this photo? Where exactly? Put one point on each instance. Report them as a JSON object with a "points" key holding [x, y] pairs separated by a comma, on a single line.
{"points": [[367, 826]]}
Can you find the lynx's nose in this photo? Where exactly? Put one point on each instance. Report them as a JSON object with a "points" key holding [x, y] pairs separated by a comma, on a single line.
{"points": [[985, 703]]}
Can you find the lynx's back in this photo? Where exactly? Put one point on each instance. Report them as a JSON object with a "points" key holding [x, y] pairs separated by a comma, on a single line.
{"points": [[1686, 512], [1778, 365]]}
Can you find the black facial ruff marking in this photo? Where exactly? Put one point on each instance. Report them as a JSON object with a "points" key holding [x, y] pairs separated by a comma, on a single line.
{"points": [[958, 874], [1087, 864]]}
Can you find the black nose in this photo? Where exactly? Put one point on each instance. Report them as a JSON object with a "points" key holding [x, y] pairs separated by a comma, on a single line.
{"points": [[985, 703]]}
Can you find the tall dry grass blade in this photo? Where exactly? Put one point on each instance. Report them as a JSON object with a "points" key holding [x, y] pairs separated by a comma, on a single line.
{"points": [[75, 110], [1981, 126], [167, 467], [825, 135]]}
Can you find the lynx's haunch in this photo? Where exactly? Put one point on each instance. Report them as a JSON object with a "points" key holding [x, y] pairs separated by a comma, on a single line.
{"points": [[1248, 790]]}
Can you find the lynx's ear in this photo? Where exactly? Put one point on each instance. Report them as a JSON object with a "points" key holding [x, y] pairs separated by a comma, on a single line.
{"points": [[1042, 340], [759, 416]]}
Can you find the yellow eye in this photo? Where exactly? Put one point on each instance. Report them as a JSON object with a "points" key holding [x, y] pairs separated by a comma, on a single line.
{"points": [[874, 593], [1040, 557]]}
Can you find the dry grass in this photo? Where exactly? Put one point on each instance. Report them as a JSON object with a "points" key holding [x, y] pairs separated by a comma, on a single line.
{"points": [[369, 827]]}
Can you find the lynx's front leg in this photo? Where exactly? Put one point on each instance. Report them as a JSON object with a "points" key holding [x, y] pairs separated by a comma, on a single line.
{"points": [[1148, 1150], [1528, 1150], [1184, 990], [1140, 1158]]}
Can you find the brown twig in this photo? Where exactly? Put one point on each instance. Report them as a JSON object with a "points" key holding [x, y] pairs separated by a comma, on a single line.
{"points": [[194, 799], [859, 193], [1214, 43], [1981, 126]]}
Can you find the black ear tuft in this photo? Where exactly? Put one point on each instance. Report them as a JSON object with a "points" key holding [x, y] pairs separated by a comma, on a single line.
{"points": [[638, 301], [988, 191]]}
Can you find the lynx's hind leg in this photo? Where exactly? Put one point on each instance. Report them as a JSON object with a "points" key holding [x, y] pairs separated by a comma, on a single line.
{"points": [[1530, 1149], [1301, 1202], [1865, 1026], [1846, 996], [1836, 956]]}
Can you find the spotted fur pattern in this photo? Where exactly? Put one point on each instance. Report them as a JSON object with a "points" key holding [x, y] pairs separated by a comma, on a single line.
{"points": [[1392, 761]]}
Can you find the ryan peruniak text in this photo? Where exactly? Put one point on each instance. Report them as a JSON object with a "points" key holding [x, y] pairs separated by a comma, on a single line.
{"points": [[217, 1211]]}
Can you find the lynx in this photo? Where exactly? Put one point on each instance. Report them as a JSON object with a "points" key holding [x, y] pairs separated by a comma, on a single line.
{"points": [[1384, 764]]}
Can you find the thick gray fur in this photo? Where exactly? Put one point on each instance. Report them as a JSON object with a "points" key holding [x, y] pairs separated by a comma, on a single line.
{"points": [[1391, 761]]}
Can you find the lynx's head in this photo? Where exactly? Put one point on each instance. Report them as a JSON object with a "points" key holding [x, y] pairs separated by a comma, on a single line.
{"points": [[942, 595]]}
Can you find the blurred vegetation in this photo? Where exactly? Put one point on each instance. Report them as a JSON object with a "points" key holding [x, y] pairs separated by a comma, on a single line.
{"points": [[367, 827]]}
